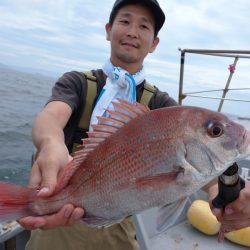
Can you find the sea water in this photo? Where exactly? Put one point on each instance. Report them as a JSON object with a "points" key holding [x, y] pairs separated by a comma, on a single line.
{"points": [[22, 95]]}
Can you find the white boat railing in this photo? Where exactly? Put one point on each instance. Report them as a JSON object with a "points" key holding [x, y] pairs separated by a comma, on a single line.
{"points": [[236, 54]]}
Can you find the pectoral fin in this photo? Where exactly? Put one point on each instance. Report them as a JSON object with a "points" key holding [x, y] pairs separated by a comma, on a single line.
{"points": [[169, 215], [157, 181]]}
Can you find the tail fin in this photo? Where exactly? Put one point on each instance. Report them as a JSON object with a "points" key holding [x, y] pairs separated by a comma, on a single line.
{"points": [[14, 201]]}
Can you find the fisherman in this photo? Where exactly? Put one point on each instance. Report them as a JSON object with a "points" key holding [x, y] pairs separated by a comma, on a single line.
{"points": [[132, 31]]}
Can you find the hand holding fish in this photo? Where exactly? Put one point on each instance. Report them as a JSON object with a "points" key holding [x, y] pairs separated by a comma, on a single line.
{"points": [[44, 174], [66, 216], [236, 215]]}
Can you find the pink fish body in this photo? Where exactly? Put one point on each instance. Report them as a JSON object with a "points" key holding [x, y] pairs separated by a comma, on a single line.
{"points": [[137, 159]]}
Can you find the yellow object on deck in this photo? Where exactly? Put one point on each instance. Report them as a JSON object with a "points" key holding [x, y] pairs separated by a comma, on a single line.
{"points": [[201, 217], [241, 236]]}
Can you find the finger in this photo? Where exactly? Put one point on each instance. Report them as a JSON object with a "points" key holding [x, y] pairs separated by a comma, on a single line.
{"points": [[77, 214], [212, 193], [244, 214], [31, 223], [48, 221], [235, 225], [35, 177], [218, 212], [59, 219], [241, 203], [236, 206], [49, 181], [49, 176]]}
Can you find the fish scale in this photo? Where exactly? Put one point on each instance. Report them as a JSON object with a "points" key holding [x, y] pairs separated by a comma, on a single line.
{"points": [[137, 159]]}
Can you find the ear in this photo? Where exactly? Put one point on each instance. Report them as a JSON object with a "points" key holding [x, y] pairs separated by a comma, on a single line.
{"points": [[108, 28], [154, 44]]}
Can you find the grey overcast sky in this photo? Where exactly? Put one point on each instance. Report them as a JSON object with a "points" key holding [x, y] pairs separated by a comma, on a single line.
{"points": [[62, 35]]}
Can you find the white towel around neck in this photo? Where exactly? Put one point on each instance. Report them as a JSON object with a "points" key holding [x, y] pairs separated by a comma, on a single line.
{"points": [[119, 84]]}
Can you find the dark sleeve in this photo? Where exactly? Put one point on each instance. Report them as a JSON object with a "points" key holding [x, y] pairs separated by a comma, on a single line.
{"points": [[71, 89], [68, 89], [161, 99]]}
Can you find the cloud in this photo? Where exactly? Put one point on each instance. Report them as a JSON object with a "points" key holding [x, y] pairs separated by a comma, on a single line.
{"points": [[62, 35], [74, 23], [203, 24]]}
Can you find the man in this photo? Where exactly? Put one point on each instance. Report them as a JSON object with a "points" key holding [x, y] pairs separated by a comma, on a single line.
{"points": [[132, 31]]}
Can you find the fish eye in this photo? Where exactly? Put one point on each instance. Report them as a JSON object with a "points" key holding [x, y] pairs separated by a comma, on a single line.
{"points": [[215, 129]]}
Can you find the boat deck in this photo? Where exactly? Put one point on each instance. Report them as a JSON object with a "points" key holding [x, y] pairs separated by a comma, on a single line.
{"points": [[184, 237]]}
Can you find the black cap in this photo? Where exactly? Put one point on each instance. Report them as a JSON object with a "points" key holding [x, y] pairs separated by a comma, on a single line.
{"points": [[153, 5]]}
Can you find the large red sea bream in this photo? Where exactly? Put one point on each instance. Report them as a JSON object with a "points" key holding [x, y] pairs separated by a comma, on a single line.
{"points": [[137, 159]]}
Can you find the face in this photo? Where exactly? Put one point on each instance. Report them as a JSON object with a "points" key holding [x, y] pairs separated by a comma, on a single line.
{"points": [[132, 37]]}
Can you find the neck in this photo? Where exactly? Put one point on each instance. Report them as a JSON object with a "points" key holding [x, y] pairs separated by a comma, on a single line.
{"points": [[132, 68]]}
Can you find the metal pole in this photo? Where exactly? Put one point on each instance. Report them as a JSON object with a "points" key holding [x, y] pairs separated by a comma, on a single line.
{"points": [[181, 97], [227, 85], [203, 51]]}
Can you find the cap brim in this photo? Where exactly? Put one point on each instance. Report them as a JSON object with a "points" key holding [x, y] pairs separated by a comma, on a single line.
{"points": [[151, 4]]}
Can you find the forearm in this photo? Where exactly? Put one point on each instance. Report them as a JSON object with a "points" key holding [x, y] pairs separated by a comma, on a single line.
{"points": [[46, 130], [49, 124]]}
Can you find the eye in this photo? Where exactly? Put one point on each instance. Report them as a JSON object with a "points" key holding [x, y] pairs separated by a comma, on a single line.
{"points": [[215, 129], [144, 27], [124, 21]]}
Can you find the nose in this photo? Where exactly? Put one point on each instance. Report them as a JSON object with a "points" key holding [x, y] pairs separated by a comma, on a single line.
{"points": [[132, 31]]}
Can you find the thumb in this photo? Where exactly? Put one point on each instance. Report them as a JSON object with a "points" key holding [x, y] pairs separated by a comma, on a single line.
{"points": [[35, 177], [212, 192], [49, 181], [49, 178]]}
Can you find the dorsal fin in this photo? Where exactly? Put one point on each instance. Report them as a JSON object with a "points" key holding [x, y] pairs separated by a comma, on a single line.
{"points": [[123, 113], [137, 107], [109, 122], [123, 109], [103, 128]]}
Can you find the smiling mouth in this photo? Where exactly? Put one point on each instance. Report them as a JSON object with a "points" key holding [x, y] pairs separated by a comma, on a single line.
{"points": [[130, 45]]}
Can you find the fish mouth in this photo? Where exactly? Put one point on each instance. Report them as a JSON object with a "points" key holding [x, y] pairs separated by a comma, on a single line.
{"points": [[244, 145]]}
